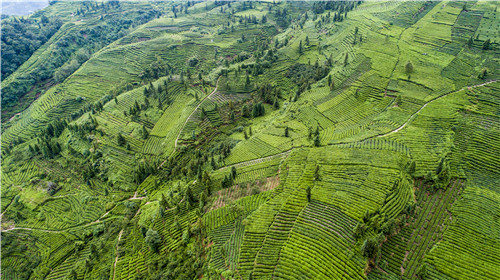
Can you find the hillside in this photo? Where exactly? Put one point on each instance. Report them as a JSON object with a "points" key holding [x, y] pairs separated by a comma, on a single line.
{"points": [[251, 140]]}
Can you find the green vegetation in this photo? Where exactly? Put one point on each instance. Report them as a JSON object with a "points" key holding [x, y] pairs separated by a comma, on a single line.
{"points": [[251, 140]]}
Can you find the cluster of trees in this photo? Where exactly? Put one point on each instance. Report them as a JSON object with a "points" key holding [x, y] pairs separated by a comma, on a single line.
{"points": [[269, 94], [21, 37], [47, 144], [54, 129], [15, 245], [375, 228], [440, 178], [382, 227], [89, 7], [145, 168], [258, 110], [228, 180], [160, 93], [252, 19], [192, 164], [315, 136], [159, 68], [83, 129], [48, 148], [304, 75], [94, 167], [341, 7], [282, 18]]}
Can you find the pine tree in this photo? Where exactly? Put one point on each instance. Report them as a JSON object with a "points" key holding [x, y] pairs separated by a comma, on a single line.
{"points": [[300, 47], [316, 173], [145, 133], [286, 131], [346, 59], [470, 42], [486, 44], [316, 141], [120, 140], [308, 193]]}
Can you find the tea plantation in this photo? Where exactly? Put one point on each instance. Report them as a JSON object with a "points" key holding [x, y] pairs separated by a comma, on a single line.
{"points": [[251, 140]]}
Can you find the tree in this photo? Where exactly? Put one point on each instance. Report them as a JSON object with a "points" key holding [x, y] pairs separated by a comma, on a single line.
{"points": [[203, 114], [244, 111], [300, 47], [316, 173], [247, 80], [486, 44], [286, 131], [470, 42], [232, 116], [316, 141], [483, 73], [189, 194], [160, 105], [307, 40], [346, 59], [153, 240], [145, 133], [71, 275], [308, 193], [370, 248], [398, 100], [245, 134], [408, 67], [120, 140], [233, 172], [412, 168]]}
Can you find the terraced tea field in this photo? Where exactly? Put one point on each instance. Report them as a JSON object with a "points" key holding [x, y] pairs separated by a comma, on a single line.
{"points": [[251, 140]]}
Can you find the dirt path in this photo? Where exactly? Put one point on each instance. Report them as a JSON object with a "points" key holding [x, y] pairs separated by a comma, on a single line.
{"points": [[136, 197], [381, 135], [116, 258], [22, 228], [187, 119], [258, 160], [432, 100], [84, 225]]}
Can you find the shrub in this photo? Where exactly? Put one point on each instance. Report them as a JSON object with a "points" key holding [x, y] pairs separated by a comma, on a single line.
{"points": [[192, 61], [409, 67]]}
